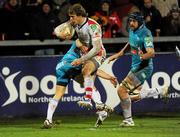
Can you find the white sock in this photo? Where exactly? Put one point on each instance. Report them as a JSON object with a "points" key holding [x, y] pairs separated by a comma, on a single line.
{"points": [[96, 97], [152, 92], [126, 107], [88, 85], [51, 109], [102, 114]]}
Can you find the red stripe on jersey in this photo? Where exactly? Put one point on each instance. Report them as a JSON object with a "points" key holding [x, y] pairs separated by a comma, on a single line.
{"points": [[90, 22]]}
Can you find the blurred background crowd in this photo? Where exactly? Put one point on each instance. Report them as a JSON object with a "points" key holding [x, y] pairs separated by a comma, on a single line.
{"points": [[36, 19]]}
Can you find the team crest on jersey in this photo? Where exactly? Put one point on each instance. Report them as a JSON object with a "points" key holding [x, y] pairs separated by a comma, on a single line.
{"points": [[148, 41], [93, 27]]}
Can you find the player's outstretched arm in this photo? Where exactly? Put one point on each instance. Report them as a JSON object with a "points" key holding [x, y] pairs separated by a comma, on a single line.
{"points": [[119, 54], [107, 76]]}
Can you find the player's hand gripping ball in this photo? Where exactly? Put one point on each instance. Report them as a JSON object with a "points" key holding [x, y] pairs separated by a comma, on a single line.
{"points": [[64, 31]]}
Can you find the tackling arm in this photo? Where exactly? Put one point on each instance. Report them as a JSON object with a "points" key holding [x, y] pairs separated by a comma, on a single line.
{"points": [[106, 76], [119, 54]]}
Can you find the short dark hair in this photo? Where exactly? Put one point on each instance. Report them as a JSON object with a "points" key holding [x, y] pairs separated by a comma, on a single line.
{"points": [[78, 10]]}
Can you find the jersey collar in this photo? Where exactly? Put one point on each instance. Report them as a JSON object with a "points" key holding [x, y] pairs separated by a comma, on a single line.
{"points": [[85, 21]]}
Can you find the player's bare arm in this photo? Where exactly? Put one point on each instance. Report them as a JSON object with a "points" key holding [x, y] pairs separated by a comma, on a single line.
{"points": [[119, 54], [150, 53], [81, 46], [105, 75]]}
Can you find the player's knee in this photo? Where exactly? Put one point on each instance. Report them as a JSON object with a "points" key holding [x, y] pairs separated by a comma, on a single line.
{"points": [[86, 71], [122, 92], [125, 103], [59, 93]]}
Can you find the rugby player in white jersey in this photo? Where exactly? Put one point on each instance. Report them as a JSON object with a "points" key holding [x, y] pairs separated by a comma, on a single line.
{"points": [[89, 35], [65, 72]]}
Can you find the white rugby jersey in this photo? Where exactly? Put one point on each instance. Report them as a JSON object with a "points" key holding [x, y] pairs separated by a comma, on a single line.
{"points": [[89, 33]]}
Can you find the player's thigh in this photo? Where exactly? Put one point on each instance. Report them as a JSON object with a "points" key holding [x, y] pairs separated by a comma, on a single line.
{"points": [[143, 74], [122, 92], [60, 90], [62, 75], [89, 67], [135, 79], [129, 83], [79, 79]]}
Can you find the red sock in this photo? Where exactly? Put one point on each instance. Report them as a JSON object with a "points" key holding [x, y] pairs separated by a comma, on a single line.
{"points": [[88, 91]]}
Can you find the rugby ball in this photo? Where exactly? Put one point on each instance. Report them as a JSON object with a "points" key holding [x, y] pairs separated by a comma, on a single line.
{"points": [[64, 31]]}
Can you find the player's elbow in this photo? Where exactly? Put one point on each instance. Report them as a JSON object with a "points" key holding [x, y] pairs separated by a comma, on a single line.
{"points": [[152, 54]]}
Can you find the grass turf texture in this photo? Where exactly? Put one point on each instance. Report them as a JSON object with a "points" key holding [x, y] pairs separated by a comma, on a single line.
{"points": [[82, 126]]}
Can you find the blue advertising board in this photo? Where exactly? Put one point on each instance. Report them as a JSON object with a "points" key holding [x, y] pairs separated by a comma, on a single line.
{"points": [[27, 83]]}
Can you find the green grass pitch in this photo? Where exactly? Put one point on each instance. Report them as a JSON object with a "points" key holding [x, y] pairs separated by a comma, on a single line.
{"points": [[82, 126]]}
